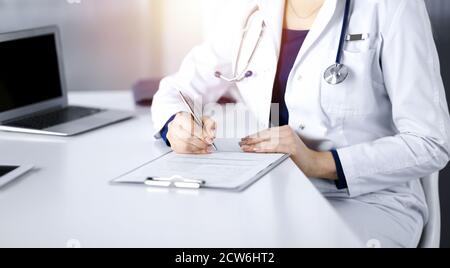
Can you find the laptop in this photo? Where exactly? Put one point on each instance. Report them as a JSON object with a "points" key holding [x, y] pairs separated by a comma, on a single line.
{"points": [[33, 91]]}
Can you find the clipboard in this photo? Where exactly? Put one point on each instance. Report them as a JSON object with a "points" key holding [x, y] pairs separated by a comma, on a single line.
{"points": [[231, 171]]}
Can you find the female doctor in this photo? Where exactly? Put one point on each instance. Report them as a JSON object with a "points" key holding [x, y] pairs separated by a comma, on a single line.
{"points": [[362, 103]]}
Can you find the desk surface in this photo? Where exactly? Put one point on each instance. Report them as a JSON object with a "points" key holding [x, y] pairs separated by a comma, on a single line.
{"points": [[67, 199]]}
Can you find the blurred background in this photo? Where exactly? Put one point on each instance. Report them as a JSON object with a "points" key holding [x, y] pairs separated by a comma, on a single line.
{"points": [[111, 44]]}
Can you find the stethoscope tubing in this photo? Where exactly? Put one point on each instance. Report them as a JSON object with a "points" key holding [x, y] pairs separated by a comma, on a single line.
{"points": [[237, 77], [345, 21]]}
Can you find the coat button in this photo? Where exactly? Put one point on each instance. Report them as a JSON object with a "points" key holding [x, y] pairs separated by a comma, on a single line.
{"points": [[302, 127]]}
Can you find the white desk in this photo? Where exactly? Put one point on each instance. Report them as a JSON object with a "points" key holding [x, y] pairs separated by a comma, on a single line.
{"points": [[69, 197]]}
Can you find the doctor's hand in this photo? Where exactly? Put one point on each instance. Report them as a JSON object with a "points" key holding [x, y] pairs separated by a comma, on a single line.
{"points": [[186, 137], [285, 140]]}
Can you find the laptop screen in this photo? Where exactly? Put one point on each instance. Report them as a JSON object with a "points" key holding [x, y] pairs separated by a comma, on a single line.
{"points": [[29, 72]]}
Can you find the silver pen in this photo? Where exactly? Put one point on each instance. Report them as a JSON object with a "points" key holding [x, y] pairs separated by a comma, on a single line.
{"points": [[187, 102]]}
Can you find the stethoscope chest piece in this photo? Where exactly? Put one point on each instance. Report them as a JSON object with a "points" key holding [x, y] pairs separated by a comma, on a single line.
{"points": [[336, 74]]}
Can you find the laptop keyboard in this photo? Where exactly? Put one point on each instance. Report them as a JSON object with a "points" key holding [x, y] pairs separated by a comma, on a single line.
{"points": [[53, 118]]}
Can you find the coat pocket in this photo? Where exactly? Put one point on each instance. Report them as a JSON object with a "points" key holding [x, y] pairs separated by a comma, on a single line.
{"points": [[355, 96]]}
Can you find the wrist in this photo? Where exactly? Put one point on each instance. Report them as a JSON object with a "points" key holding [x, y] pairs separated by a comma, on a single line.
{"points": [[324, 166]]}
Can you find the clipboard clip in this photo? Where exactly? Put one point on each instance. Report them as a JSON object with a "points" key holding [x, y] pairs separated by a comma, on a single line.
{"points": [[174, 181]]}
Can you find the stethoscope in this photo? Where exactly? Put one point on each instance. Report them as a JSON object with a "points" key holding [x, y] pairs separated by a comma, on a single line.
{"points": [[338, 72], [333, 75], [237, 77]]}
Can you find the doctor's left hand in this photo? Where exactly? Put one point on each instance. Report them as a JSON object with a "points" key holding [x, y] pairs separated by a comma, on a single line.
{"points": [[285, 140]]}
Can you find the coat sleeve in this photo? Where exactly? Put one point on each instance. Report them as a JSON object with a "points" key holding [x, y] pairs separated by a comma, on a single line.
{"points": [[196, 76], [420, 113]]}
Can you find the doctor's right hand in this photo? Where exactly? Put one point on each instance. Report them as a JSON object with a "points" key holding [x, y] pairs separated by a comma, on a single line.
{"points": [[186, 137]]}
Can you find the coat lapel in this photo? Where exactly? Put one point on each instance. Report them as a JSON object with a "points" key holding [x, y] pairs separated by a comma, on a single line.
{"points": [[273, 13], [320, 24]]}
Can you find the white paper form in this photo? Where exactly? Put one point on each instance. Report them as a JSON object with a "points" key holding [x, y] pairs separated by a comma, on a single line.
{"points": [[226, 170]]}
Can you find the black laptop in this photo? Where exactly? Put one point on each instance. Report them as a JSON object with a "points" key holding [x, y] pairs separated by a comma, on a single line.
{"points": [[33, 92]]}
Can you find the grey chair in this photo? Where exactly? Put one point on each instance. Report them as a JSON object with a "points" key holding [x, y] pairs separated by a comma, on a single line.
{"points": [[431, 234], [439, 11]]}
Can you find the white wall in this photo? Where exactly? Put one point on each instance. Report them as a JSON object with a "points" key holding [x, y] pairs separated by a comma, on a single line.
{"points": [[109, 44], [180, 29]]}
